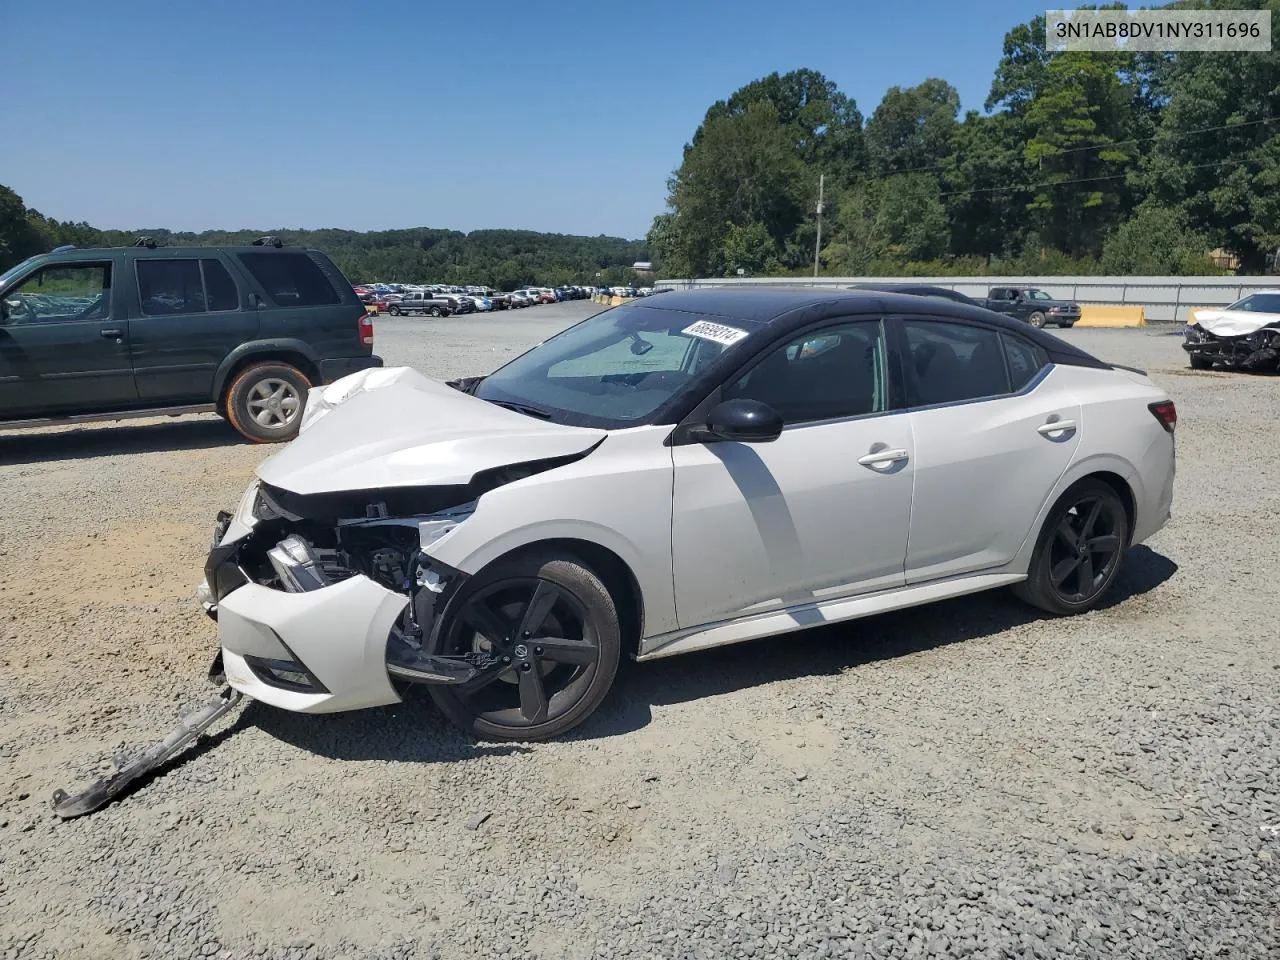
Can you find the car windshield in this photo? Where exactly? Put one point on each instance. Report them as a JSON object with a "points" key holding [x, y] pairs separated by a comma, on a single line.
{"points": [[1038, 295], [1258, 303], [614, 369]]}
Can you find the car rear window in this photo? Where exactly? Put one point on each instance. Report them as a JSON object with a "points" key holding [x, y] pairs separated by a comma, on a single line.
{"points": [[291, 279]]}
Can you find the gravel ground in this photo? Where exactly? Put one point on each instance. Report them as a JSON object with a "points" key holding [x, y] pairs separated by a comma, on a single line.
{"points": [[965, 779]]}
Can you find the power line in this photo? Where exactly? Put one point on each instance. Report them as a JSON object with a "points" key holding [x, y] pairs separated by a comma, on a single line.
{"points": [[1103, 146], [1062, 183]]}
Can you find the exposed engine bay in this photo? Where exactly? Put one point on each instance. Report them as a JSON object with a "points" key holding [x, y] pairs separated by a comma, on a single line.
{"points": [[1234, 340]]}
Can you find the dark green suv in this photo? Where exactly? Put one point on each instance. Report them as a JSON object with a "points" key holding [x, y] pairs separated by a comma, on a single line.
{"points": [[137, 331]]}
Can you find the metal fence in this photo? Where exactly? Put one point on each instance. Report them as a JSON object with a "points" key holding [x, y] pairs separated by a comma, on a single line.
{"points": [[1166, 299]]}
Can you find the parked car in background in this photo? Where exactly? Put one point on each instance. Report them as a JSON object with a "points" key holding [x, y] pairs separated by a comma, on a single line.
{"points": [[921, 290], [460, 304], [420, 303], [1032, 306], [1242, 336], [104, 334]]}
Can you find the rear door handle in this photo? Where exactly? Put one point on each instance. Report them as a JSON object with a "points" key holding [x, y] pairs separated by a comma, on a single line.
{"points": [[882, 458], [1056, 426], [113, 334]]}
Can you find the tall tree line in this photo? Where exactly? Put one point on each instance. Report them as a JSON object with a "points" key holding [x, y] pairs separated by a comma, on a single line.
{"points": [[503, 259], [1080, 162]]}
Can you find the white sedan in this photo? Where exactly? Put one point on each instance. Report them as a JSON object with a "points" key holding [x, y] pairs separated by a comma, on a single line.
{"points": [[681, 472]]}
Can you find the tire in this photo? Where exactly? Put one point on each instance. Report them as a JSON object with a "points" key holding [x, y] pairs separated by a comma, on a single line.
{"points": [[581, 609], [1054, 582], [394, 311], [434, 312], [1199, 363], [248, 401], [1036, 319]]}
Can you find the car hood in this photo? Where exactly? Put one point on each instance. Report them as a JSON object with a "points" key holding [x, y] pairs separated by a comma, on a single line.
{"points": [[1234, 323], [393, 427]]}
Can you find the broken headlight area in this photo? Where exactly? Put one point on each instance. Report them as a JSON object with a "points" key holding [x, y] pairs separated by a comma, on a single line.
{"points": [[301, 544], [1253, 351]]}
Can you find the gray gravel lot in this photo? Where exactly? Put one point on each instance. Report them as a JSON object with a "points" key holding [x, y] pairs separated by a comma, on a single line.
{"points": [[969, 779]]}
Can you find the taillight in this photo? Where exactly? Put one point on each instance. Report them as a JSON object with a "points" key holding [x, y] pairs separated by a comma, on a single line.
{"points": [[1166, 413], [366, 329]]}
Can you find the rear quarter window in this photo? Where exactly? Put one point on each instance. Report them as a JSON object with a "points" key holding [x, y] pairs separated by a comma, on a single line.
{"points": [[291, 279], [1024, 359]]}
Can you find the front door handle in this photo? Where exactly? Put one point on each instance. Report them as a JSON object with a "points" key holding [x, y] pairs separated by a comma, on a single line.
{"points": [[883, 458], [1060, 427], [112, 334]]}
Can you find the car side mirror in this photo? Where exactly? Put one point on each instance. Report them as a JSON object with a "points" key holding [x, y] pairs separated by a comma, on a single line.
{"points": [[740, 421]]}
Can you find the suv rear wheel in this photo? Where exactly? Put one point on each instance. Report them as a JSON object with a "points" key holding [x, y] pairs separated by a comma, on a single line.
{"points": [[264, 401]]}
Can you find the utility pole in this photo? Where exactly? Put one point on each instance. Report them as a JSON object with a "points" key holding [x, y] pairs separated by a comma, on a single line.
{"points": [[817, 244]]}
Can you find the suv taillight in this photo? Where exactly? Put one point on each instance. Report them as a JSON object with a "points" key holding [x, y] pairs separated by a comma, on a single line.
{"points": [[1166, 413], [366, 329]]}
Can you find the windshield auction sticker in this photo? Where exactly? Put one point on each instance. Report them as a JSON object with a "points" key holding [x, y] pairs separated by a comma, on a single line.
{"points": [[1157, 30], [715, 332]]}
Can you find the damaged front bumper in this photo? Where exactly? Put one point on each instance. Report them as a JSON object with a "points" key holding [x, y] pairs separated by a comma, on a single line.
{"points": [[1254, 351], [304, 628]]}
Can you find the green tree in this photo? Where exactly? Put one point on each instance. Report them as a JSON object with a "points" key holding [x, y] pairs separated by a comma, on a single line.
{"points": [[912, 127], [1156, 241]]}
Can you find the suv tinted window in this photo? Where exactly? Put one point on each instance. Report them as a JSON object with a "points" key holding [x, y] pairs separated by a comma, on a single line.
{"points": [[950, 362], [220, 290], [61, 292], [291, 279], [821, 375], [1025, 360], [170, 286]]}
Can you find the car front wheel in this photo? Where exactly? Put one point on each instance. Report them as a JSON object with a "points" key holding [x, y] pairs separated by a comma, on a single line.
{"points": [[1079, 552], [1036, 319], [264, 401], [552, 627]]}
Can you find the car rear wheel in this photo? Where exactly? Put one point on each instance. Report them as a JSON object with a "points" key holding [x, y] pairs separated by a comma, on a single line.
{"points": [[394, 311], [1036, 319], [434, 311], [264, 401], [1079, 552], [554, 626]]}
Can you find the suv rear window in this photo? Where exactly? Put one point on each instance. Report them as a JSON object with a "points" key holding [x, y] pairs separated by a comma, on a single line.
{"points": [[291, 279]]}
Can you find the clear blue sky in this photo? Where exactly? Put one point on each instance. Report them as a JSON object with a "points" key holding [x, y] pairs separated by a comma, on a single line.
{"points": [[564, 116]]}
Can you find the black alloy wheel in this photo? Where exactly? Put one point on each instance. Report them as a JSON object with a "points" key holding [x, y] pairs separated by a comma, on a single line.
{"points": [[547, 631], [1080, 550]]}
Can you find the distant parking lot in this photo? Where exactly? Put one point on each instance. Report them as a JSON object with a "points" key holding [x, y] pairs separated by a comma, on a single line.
{"points": [[969, 778]]}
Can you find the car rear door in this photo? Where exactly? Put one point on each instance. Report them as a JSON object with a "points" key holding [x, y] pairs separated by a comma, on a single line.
{"points": [[64, 342], [994, 431], [190, 313], [821, 512]]}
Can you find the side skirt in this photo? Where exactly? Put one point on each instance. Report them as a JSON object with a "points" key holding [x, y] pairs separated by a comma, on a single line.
{"points": [[803, 616]]}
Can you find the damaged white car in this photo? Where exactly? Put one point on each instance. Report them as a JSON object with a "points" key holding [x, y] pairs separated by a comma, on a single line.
{"points": [[698, 469], [1244, 336], [681, 472]]}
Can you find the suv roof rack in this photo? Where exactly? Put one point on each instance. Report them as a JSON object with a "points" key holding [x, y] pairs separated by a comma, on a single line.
{"points": [[148, 242], [64, 248], [269, 242]]}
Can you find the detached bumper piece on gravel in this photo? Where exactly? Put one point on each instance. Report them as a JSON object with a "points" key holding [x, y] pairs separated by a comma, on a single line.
{"points": [[1259, 350], [104, 791]]}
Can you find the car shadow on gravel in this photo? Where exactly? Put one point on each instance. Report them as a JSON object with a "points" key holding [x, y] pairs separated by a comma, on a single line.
{"points": [[411, 732], [110, 440], [828, 650]]}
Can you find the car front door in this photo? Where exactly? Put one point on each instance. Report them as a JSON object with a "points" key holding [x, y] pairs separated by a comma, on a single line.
{"points": [[819, 513], [994, 431], [64, 343], [190, 315]]}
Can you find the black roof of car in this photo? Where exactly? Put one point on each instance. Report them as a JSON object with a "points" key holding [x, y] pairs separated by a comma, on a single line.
{"points": [[917, 290], [787, 307]]}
